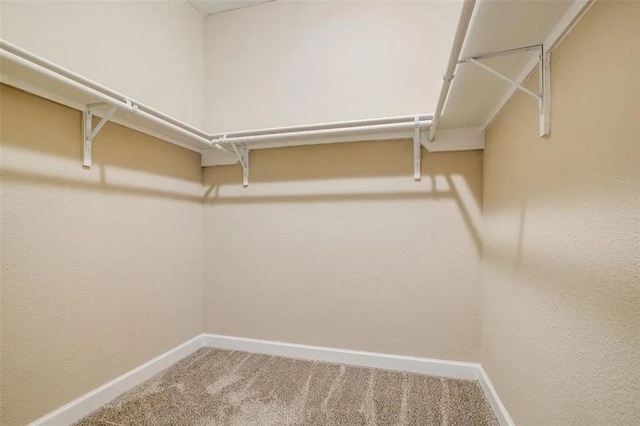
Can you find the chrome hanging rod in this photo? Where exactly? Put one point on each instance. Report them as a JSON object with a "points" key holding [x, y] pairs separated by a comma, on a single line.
{"points": [[458, 41], [323, 132]]}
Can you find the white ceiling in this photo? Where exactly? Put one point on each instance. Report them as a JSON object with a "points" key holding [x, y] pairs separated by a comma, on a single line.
{"points": [[209, 7]]}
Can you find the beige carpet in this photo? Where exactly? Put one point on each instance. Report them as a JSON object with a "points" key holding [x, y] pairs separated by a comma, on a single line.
{"points": [[219, 387]]}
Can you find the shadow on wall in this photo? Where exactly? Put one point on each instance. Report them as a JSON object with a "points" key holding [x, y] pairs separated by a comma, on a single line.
{"points": [[573, 242], [42, 145], [561, 237], [352, 172]]}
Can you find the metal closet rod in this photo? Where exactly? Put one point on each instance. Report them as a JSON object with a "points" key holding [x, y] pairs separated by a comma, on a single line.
{"points": [[320, 126], [25, 54], [335, 131], [458, 41], [53, 71]]}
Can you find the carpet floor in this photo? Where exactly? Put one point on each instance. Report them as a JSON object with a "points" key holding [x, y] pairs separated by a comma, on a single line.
{"points": [[220, 387]]}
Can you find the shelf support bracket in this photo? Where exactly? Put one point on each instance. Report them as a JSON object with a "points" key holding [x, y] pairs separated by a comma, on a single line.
{"points": [[544, 81], [242, 154], [245, 170], [505, 78], [90, 132], [417, 151]]}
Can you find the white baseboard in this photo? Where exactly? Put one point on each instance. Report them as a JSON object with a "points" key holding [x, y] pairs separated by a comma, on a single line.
{"points": [[78, 408], [435, 367], [494, 400]]}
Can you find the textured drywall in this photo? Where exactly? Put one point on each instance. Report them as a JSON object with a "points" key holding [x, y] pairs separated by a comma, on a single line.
{"points": [[336, 245], [286, 63], [561, 271], [151, 51], [101, 268]]}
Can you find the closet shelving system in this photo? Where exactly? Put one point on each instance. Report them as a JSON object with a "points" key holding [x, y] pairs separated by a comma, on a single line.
{"points": [[30, 72], [476, 85]]}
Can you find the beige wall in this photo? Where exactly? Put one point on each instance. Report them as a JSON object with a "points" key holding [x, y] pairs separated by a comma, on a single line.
{"points": [[561, 284], [149, 50], [101, 268], [299, 62], [336, 245]]}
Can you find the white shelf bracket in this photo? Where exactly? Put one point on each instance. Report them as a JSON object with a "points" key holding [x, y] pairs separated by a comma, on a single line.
{"points": [[243, 158], [90, 132], [417, 151], [245, 170], [505, 78], [544, 81]]}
